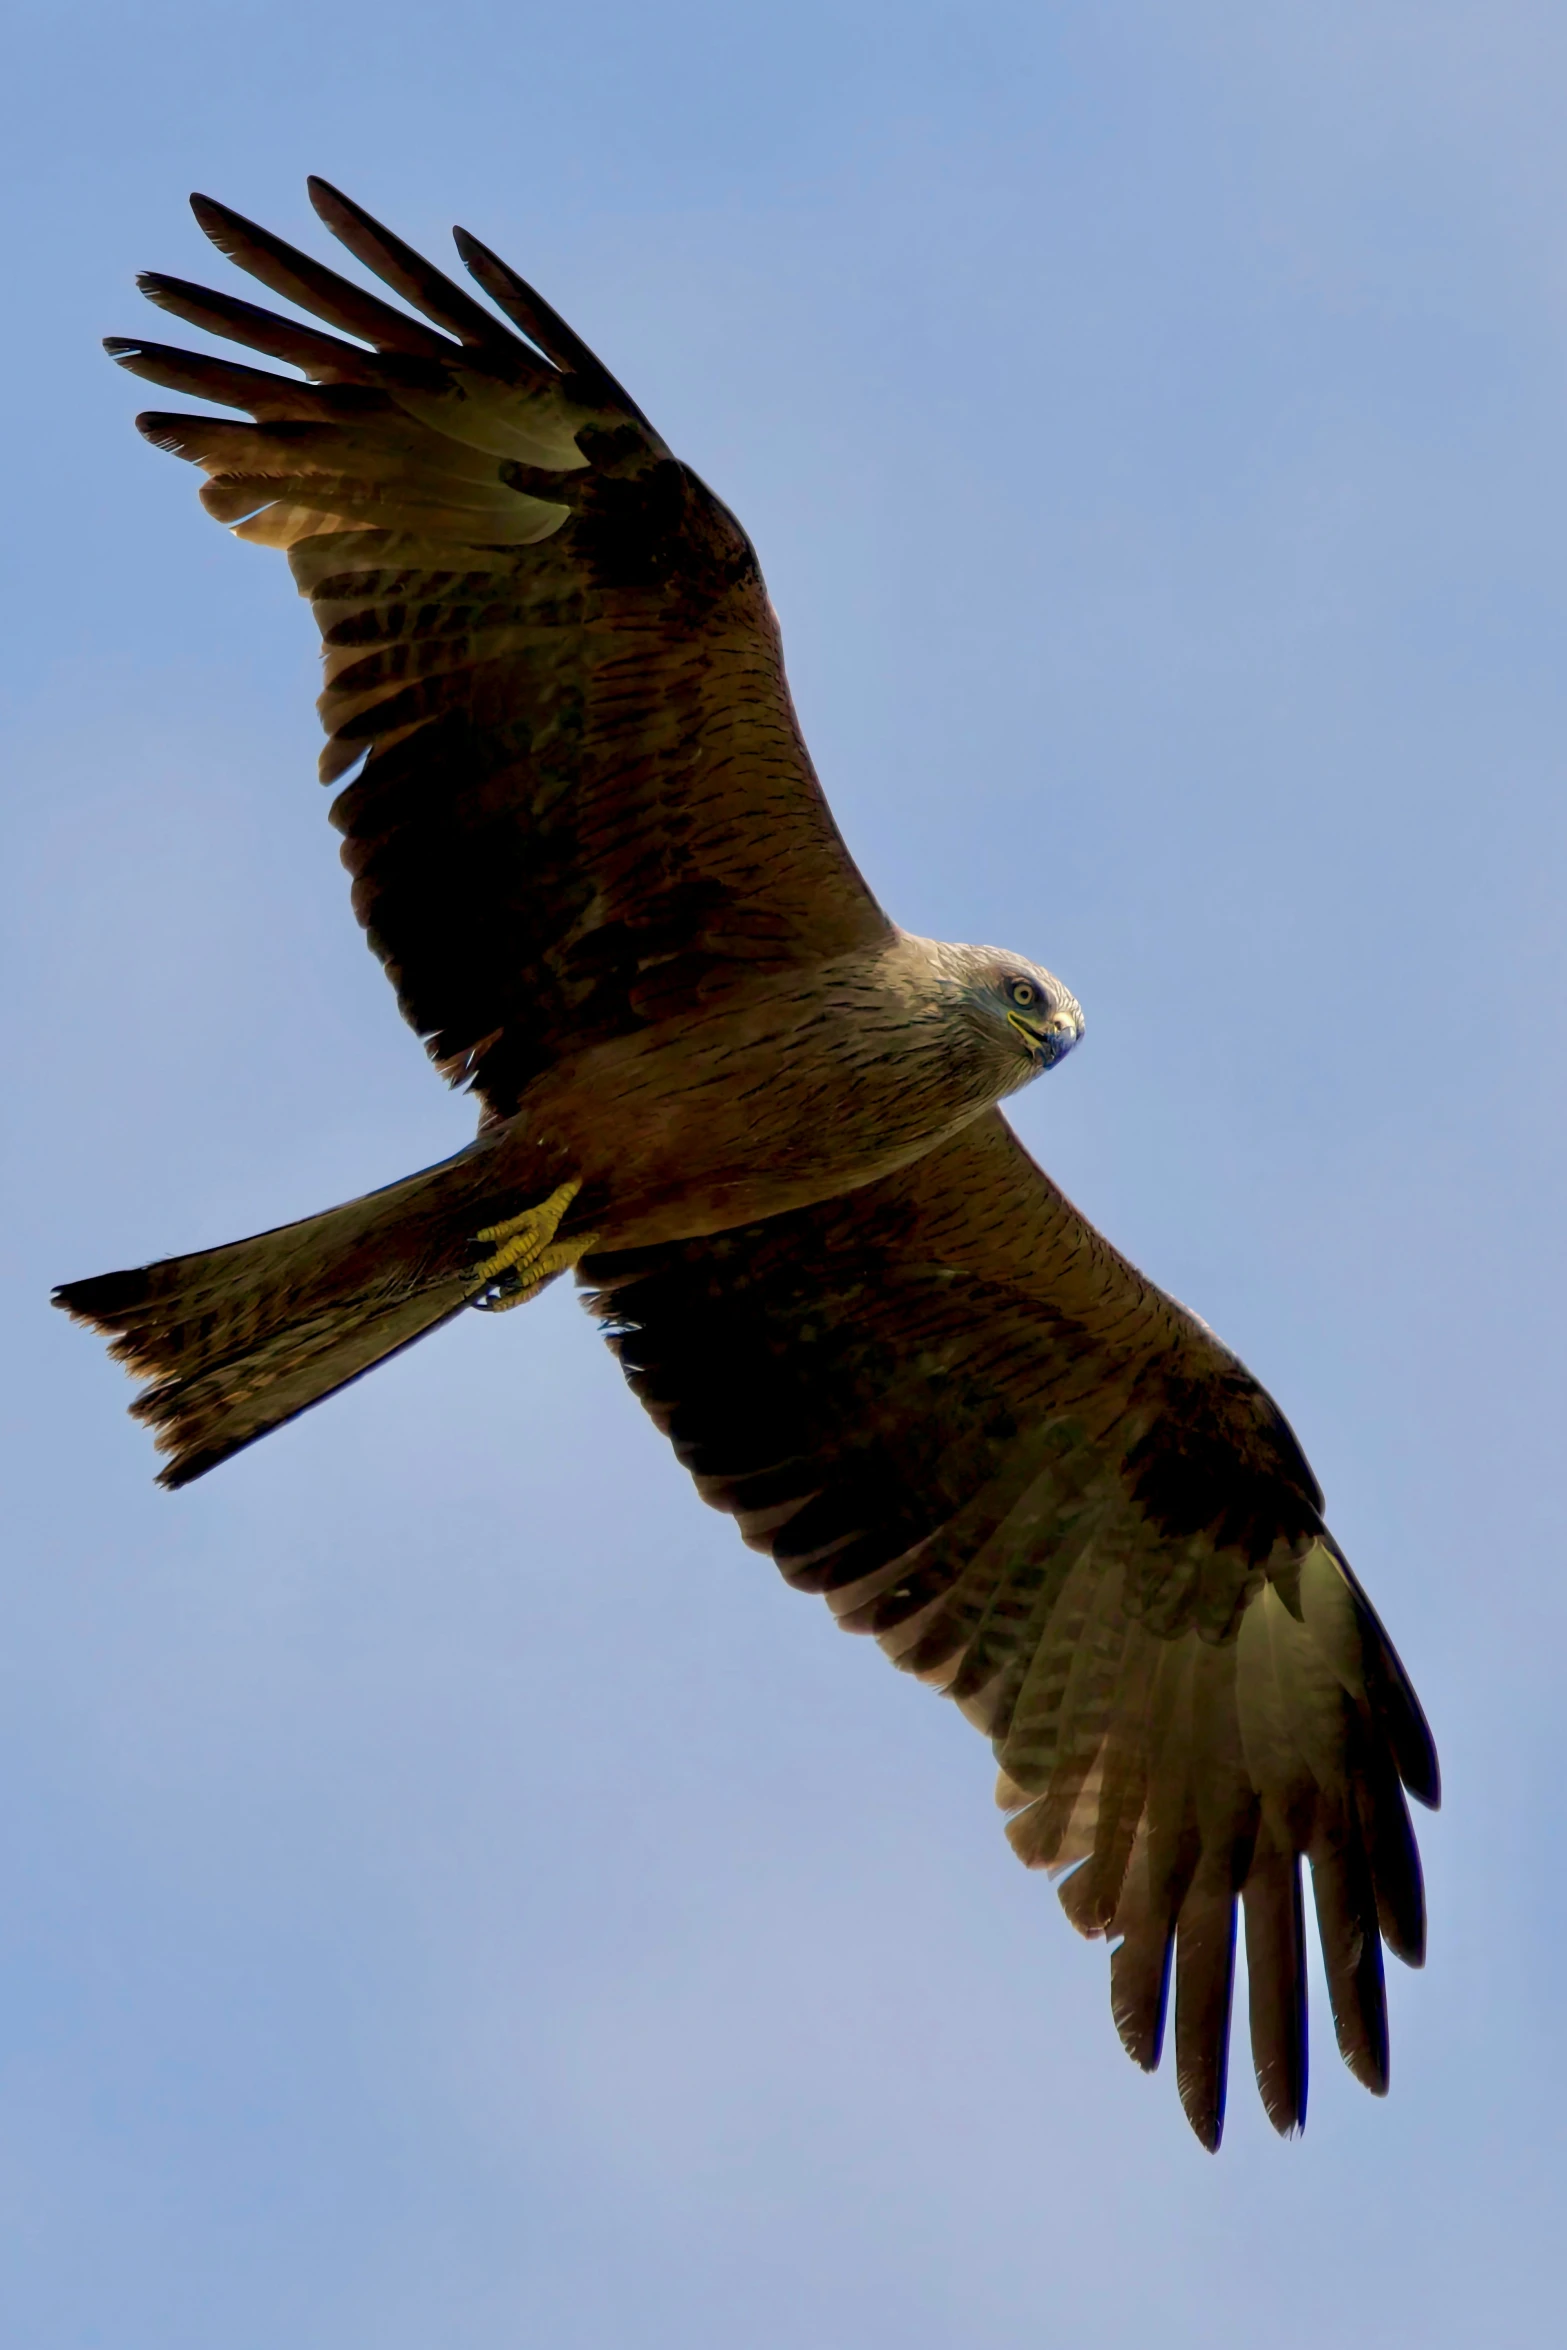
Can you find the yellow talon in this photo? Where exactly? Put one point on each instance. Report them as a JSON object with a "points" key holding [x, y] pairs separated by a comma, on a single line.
{"points": [[528, 1255], [538, 1275]]}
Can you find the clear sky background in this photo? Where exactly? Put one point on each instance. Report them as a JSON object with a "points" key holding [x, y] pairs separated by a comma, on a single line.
{"points": [[450, 1892]]}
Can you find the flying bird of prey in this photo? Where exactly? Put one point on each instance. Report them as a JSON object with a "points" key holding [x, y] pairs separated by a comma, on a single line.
{"points": [[762, 1124]]}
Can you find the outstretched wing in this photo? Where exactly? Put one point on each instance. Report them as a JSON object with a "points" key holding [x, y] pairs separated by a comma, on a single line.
{"points": [[585, 802], [946, 1403]]}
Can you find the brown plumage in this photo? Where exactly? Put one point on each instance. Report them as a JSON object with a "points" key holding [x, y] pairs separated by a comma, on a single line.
{"points": [[589, 848]]}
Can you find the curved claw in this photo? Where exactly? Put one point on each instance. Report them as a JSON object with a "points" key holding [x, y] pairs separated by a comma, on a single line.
{"points": [[513, 1286], [529, 1254]]}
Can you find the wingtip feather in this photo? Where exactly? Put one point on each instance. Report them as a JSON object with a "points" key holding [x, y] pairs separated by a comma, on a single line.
{"points": [[407, 272]]}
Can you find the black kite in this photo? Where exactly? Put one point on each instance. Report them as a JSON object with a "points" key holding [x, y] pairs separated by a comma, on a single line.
{"points": [[588, 846]]}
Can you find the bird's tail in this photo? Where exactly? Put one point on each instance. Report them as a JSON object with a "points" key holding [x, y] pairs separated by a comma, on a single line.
{"points": [[236, 1340]]}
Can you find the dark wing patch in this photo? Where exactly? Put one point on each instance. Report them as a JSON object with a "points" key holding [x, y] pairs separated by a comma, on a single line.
{"points": [[948, 1405], [584, 803]]}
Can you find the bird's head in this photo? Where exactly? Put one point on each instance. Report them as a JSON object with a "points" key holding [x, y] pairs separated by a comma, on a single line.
{"points": [[1024, 1009]]}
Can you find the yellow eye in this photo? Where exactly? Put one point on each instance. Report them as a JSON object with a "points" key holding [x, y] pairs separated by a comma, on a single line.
{"points": [[1021, 993]]}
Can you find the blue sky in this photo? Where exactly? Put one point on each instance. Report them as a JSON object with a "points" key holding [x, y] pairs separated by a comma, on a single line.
{"points": [[453, 1893]]}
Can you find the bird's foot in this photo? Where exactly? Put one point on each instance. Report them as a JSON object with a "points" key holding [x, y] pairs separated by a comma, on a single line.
{"points": [[529, 1256]]}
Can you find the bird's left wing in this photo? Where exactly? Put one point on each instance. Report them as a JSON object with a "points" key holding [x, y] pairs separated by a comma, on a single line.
{"points": [[946, 1403]]}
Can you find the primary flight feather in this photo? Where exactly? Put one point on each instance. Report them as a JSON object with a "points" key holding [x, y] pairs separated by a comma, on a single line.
{"points": [[761, 1123]]}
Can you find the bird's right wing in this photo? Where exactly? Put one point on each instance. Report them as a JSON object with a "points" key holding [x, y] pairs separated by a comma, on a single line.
{"points": [[586, 804], [945, 1402]]}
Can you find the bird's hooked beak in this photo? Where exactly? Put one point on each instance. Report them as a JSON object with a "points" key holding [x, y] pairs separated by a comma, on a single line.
{"points": [[1049, 1036]]}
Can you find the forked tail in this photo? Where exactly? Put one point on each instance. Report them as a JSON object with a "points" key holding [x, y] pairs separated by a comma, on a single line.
{"points": [[237, 1340]]}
